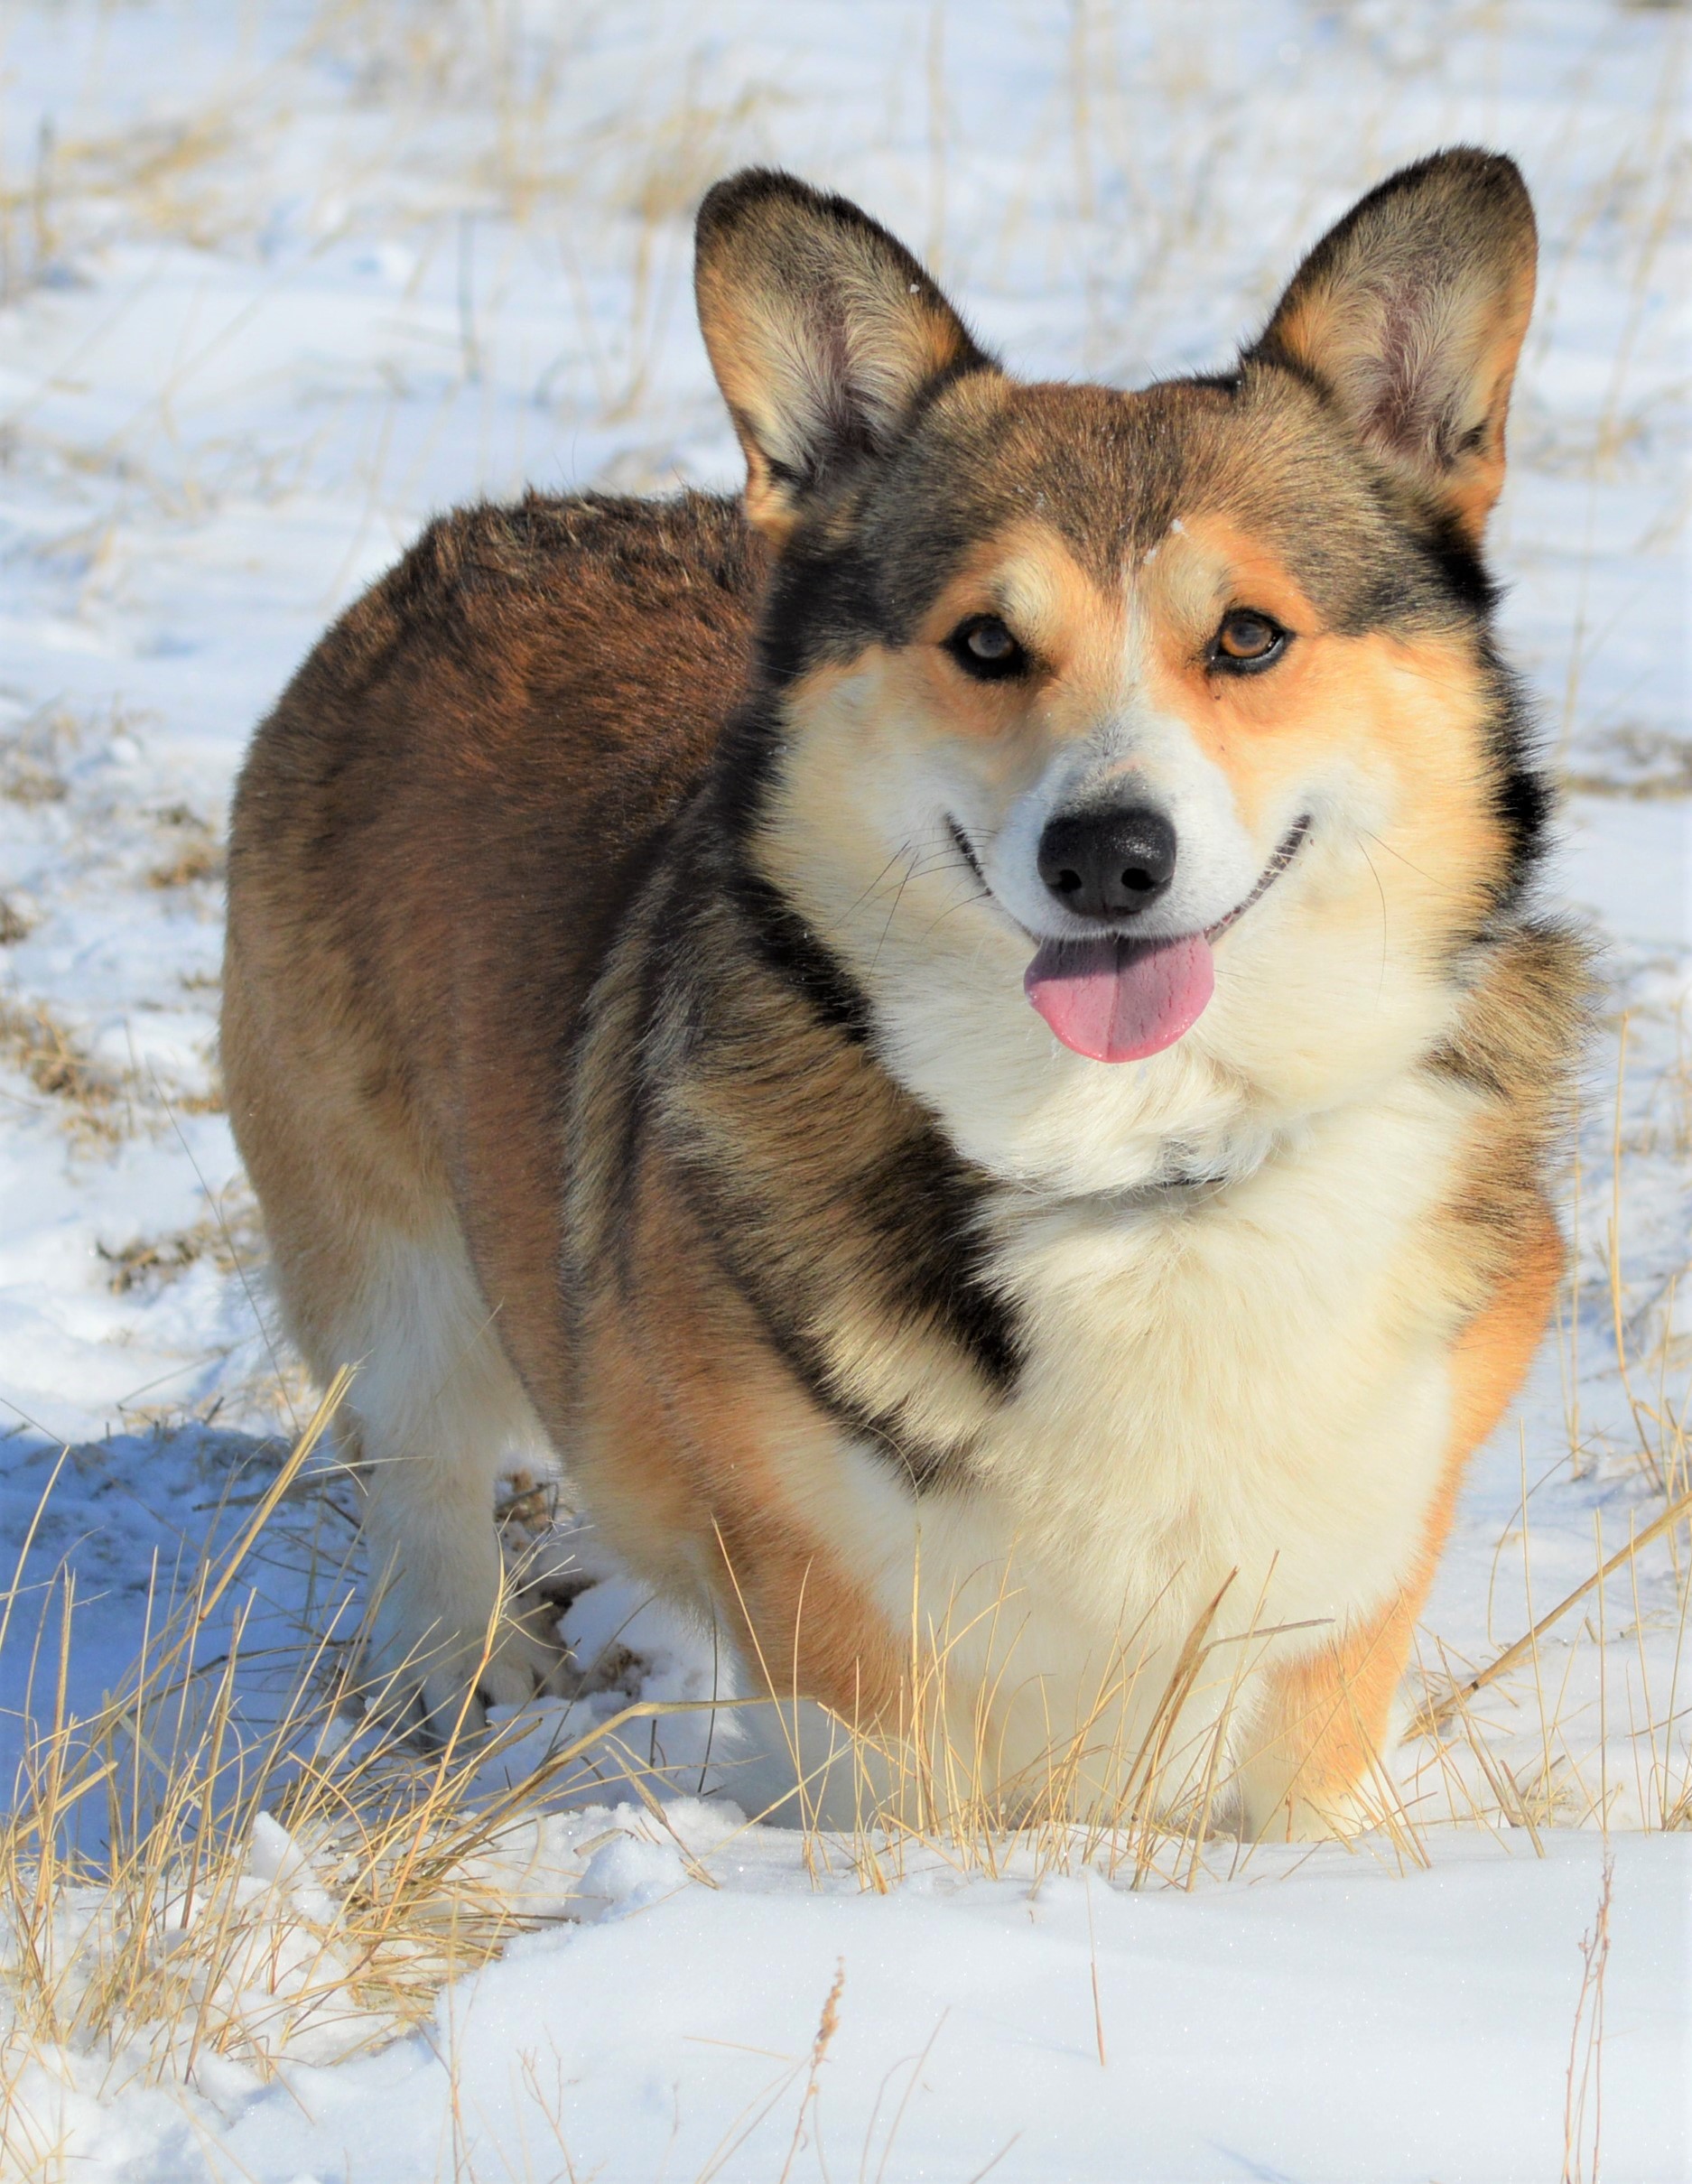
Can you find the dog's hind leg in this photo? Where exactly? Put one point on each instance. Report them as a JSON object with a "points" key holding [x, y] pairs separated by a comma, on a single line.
{"points": [[438, 1407], [372, 1273]]}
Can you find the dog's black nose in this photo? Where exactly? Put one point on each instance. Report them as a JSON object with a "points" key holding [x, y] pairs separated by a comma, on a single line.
{"points": [[1111, 862]]}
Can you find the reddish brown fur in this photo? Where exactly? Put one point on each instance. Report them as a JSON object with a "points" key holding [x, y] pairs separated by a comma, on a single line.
{"points": [[497, 729]]}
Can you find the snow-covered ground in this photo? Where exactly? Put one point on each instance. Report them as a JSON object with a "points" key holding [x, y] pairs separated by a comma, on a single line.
{"points": [[278, 280]]}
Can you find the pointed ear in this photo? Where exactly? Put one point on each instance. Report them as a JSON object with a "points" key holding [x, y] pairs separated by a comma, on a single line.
{"points": [[1410, 314], [824, 333]]}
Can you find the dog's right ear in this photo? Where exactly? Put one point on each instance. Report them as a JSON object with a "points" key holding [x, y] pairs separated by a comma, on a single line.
{"points": [[823, 332]]}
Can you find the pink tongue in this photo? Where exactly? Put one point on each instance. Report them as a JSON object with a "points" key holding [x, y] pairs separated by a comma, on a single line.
{"points": [[1117, 1000]]}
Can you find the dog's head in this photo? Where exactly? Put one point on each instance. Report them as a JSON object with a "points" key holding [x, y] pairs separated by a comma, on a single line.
{"points": [[1159, 730]]}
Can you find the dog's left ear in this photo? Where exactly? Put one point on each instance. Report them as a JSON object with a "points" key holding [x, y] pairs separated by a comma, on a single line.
{"points": [[823, 332], [1410, 314]]}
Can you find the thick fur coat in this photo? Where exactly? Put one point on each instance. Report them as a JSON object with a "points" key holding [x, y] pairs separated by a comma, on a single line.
{"points": [[966, 1040]]}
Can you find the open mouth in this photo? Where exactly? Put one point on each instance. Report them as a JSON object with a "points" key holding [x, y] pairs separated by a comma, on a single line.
{"points": [[1289, 846], [1119, 1000]]}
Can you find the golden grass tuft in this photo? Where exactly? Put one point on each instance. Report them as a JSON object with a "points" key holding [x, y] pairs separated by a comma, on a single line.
{"points": [[260, 1893], [98, 1105], [90, 1098], [195, 866], [228, 1238], [33, 755]]}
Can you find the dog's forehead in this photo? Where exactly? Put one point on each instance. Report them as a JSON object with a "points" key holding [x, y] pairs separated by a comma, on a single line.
{"points": [[1105, 469], [1114, 474]]}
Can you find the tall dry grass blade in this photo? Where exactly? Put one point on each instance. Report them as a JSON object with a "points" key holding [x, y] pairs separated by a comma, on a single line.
{"points": [[298, 1457], [1585, 2063], [1431, 1715]]}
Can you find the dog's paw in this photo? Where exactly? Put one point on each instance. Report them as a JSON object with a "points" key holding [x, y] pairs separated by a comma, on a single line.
{"points": [[1336, 1817], [528, 1661], [437, 1683]]}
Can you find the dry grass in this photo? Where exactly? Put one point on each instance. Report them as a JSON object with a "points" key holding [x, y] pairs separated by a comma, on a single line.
{"points": [[258, 1892], [229, 1238], [92, 1102], [307, 1888], [1143, 1787], [202, 861], [34, 756], [196, 857], [281, 1885], [161, 178], [1640, 764], [1583, 2106], [97, 1106]]}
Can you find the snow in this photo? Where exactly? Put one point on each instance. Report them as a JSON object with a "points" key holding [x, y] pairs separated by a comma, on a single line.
{"points": [[1275, 2029], [1328, 2019], [275, 284]]}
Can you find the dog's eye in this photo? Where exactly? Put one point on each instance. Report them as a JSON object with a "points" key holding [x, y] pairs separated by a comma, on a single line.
{"points": [[1246, 641], [983, 648]]}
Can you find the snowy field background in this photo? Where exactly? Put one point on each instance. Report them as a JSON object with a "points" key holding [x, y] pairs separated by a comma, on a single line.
{"points": [[276, 282]]}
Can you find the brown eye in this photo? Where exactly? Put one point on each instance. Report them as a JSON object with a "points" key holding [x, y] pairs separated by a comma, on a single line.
{"points": [[983, 648], [1246, 641]]}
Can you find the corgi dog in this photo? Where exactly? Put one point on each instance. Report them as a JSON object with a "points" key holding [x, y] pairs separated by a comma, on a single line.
{"points": [[963, 1037]]}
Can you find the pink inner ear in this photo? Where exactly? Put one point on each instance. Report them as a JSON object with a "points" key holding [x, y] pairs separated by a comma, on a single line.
{"points": [[1412, 407]]}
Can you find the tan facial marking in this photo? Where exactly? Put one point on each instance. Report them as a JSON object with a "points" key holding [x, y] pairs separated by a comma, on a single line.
{"points": [[1070, 629], [1205, 566], [890, 703]]}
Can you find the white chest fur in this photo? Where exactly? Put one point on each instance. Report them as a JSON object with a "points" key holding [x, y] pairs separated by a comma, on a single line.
{"points": [[1254, 1378], [1244, 1388]]}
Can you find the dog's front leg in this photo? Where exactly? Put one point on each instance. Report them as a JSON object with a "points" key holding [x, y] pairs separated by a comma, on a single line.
{"points": [[1317, 1763]]}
